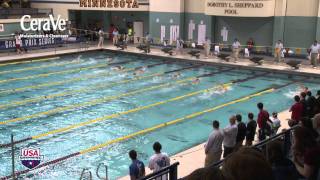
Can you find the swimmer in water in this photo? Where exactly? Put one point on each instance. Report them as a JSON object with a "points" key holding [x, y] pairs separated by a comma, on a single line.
{"points": [[109, 59], [117, 68], [140, 71], [222, 89], [176, 75], [196, 81]]}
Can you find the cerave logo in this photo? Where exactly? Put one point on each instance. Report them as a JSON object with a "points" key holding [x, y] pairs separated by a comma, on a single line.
{"points": [[43, 24], [30, 157]]}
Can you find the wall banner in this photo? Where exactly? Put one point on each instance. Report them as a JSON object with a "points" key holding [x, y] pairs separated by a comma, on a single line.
{"points": [[241, 8], [30, 42]]}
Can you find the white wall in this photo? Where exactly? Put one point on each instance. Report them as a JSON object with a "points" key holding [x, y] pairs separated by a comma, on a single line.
{"points": [[167, 5]]}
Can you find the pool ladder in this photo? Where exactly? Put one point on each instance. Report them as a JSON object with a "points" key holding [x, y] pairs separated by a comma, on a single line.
{"points": [[87, 175]]}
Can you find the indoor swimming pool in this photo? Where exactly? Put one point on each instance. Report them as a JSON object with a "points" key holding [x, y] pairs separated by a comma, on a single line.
{"points": [[81, 110]]}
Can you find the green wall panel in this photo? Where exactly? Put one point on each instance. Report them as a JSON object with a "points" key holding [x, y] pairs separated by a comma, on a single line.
{"points": [[10, 28], [120, 18], [299, 31], [260, 29], [197, 18], [164, 19]]}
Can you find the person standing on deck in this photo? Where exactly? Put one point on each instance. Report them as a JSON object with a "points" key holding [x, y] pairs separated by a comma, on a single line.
{"points": [[159, 160], [179, 46], [18, 43], [230, 136], [101, 38], [263, 119], [277, 51], [136, 169], [115, 35], [236, 49], [207, 47], [213, 147], [314, 53], [251, 129]]}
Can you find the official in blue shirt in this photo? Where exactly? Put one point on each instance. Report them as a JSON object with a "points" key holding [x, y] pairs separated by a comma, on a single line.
{"points": [[136, 169]]}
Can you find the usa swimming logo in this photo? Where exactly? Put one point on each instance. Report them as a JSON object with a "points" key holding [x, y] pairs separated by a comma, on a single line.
{"points": [[30, 157]]}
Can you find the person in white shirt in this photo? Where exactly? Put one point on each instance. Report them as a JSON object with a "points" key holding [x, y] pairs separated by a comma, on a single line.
{"points": [[159, 160], [278, 51], [213, 147], [101, 38], [207, 47], [179, 46], [18, 43], [236, 49], [314, 53], [230, 136], [115, 35], [276, 123]]}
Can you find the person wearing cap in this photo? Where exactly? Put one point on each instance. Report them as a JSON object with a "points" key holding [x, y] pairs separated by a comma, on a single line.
{"points": [[236, 49]]}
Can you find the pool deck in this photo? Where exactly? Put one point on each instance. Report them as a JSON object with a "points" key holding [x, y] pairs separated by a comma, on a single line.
{"points": [[156, 52], [192, 158]]}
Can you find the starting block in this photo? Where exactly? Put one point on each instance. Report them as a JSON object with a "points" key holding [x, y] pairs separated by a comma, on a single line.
{"points": [[167, 50], [294, 64], [225, 57], [257, 60], [194, 53]]}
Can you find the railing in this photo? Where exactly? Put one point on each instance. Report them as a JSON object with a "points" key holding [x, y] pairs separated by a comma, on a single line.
{"points": [[170, 171], [284, 136], [86, 174], [17, 12], [106, 173]]}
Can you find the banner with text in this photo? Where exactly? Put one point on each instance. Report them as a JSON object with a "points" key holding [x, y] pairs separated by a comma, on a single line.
{"points": [[241, 8], [30, 43]]}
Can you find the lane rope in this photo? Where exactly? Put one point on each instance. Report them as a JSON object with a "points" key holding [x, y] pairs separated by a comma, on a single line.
{"points": [[145, 131], [70, 80], [30, 61], [97, 101], [72, 70], [87, 89], [129, 111], [40, 67]]}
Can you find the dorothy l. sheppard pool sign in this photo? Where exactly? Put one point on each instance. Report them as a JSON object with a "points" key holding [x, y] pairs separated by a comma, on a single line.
{"points": [[240, 8]]}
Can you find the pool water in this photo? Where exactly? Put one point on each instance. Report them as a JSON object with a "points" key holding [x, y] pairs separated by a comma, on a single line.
{"points": [[35, 100]]}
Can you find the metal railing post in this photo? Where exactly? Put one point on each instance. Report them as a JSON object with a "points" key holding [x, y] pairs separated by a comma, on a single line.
{"points": [[83, 173], [287, 142], [97, 172], [173, 172], [12, 158]]}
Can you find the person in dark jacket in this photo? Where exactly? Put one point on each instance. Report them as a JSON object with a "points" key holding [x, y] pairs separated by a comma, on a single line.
{"points": [[282, 167], [242, 129], [303, 100], [251, 129], [311, 102]]}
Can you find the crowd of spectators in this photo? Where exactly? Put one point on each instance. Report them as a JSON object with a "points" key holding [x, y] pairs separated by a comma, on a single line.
{"points": [[242, 161]]}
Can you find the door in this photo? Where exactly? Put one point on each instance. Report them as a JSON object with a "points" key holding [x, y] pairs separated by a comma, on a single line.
{"points": [[138, 31]]}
